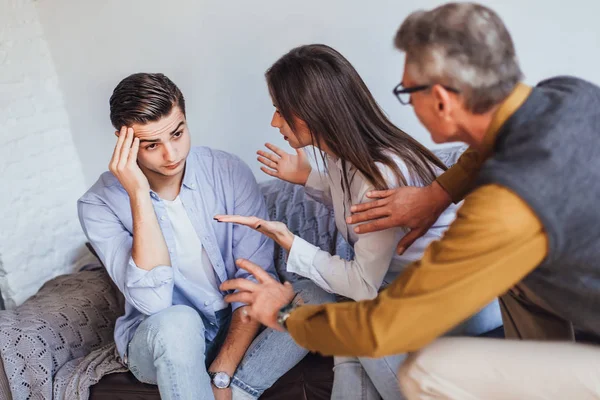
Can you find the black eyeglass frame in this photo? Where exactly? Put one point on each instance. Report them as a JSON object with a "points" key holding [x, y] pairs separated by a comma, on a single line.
{"points": [[399, 90]]}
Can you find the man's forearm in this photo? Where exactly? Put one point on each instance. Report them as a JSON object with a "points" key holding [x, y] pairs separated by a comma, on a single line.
{"points": [[239, 337], [461, 177], [455, 278], [149, 246]]}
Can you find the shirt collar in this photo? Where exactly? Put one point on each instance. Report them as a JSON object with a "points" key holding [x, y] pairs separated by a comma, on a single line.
{"points": [[189, 175], [507, 108], [333, 160]]}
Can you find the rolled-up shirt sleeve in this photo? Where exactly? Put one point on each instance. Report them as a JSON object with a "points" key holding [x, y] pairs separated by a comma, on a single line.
{"points": [[148, 291], [357, 279]]}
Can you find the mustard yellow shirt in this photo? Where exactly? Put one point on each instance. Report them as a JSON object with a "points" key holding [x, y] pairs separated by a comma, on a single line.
{"points": [[495, 241]]}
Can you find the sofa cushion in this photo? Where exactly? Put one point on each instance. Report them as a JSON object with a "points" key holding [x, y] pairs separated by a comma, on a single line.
{"points": [[305, 217], [123, 386], [311, 379]]}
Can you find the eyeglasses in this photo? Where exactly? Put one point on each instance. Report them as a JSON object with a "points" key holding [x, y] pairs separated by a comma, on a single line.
{"points": [[403, 94]]}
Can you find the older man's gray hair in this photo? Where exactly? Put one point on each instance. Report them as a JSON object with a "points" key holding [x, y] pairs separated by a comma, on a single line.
{"points": [[462, 45]]}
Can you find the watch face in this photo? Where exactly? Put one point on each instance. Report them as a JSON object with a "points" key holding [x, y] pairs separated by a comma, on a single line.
{"points": [[221, 380]]}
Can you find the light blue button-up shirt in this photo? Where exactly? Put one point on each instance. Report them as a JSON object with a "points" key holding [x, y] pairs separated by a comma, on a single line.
{"points": [[214, 183]]}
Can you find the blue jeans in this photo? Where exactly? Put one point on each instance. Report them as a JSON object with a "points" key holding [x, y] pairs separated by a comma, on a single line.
{"points": [[362, 378], [169, 349]]}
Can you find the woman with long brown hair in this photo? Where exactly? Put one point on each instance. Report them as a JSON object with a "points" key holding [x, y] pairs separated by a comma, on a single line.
{"points": [[321, 101]]}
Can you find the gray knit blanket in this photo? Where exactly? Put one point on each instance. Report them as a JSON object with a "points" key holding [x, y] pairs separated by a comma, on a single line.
{"points": [[70, 316], [60, 342]]}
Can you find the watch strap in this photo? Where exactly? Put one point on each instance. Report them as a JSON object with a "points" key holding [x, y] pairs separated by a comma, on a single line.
{"points": [[286, 310]]}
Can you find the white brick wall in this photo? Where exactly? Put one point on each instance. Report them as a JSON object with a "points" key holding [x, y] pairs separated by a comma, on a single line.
{"points": [[40, 172]]}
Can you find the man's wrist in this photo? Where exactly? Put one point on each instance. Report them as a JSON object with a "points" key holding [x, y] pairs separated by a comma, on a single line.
{"points": [[138, 194], [285, 311], [222, 367]]}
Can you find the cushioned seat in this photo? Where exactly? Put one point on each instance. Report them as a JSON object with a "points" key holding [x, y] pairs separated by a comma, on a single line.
{"points": [[90, 304], [311, 379]]}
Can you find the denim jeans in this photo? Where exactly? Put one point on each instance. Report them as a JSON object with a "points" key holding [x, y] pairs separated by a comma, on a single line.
{"points": [[362, 378], [169, 349]]}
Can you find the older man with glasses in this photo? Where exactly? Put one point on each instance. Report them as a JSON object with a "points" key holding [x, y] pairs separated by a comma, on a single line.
{"points": [[528, 231]]}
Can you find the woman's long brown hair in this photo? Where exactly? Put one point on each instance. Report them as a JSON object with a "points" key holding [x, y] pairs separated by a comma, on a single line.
{"points": [[318, 85]]}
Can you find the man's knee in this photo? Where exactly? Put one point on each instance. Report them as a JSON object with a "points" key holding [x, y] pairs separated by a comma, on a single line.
{"points": [[177, 332], [415, 374], [311, 293], [406, 376]]}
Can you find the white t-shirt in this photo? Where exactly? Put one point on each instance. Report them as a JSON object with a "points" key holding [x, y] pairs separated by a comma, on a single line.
{"points": [[193, 260]]}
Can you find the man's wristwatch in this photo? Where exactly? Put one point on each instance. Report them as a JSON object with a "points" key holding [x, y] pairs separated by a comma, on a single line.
{"points": [[220, 379], [285, 311]]}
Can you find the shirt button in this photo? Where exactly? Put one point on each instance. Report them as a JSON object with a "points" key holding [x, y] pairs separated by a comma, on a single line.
{"points": [[206, 302], [193, 186], [212, 324], [162, 218]]}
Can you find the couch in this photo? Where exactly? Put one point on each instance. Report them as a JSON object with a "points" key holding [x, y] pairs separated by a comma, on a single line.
{"points": [[71, 316]]}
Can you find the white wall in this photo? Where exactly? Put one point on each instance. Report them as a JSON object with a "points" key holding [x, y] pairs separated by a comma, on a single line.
{"points": [[55, 84], [40, 172], [217, 52]]}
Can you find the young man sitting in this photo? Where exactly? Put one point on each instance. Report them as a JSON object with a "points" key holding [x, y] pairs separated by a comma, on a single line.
{"points": [[150, 219]]}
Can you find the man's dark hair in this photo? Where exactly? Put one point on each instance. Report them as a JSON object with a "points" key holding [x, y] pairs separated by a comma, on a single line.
{"points": [[142, 98]]}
